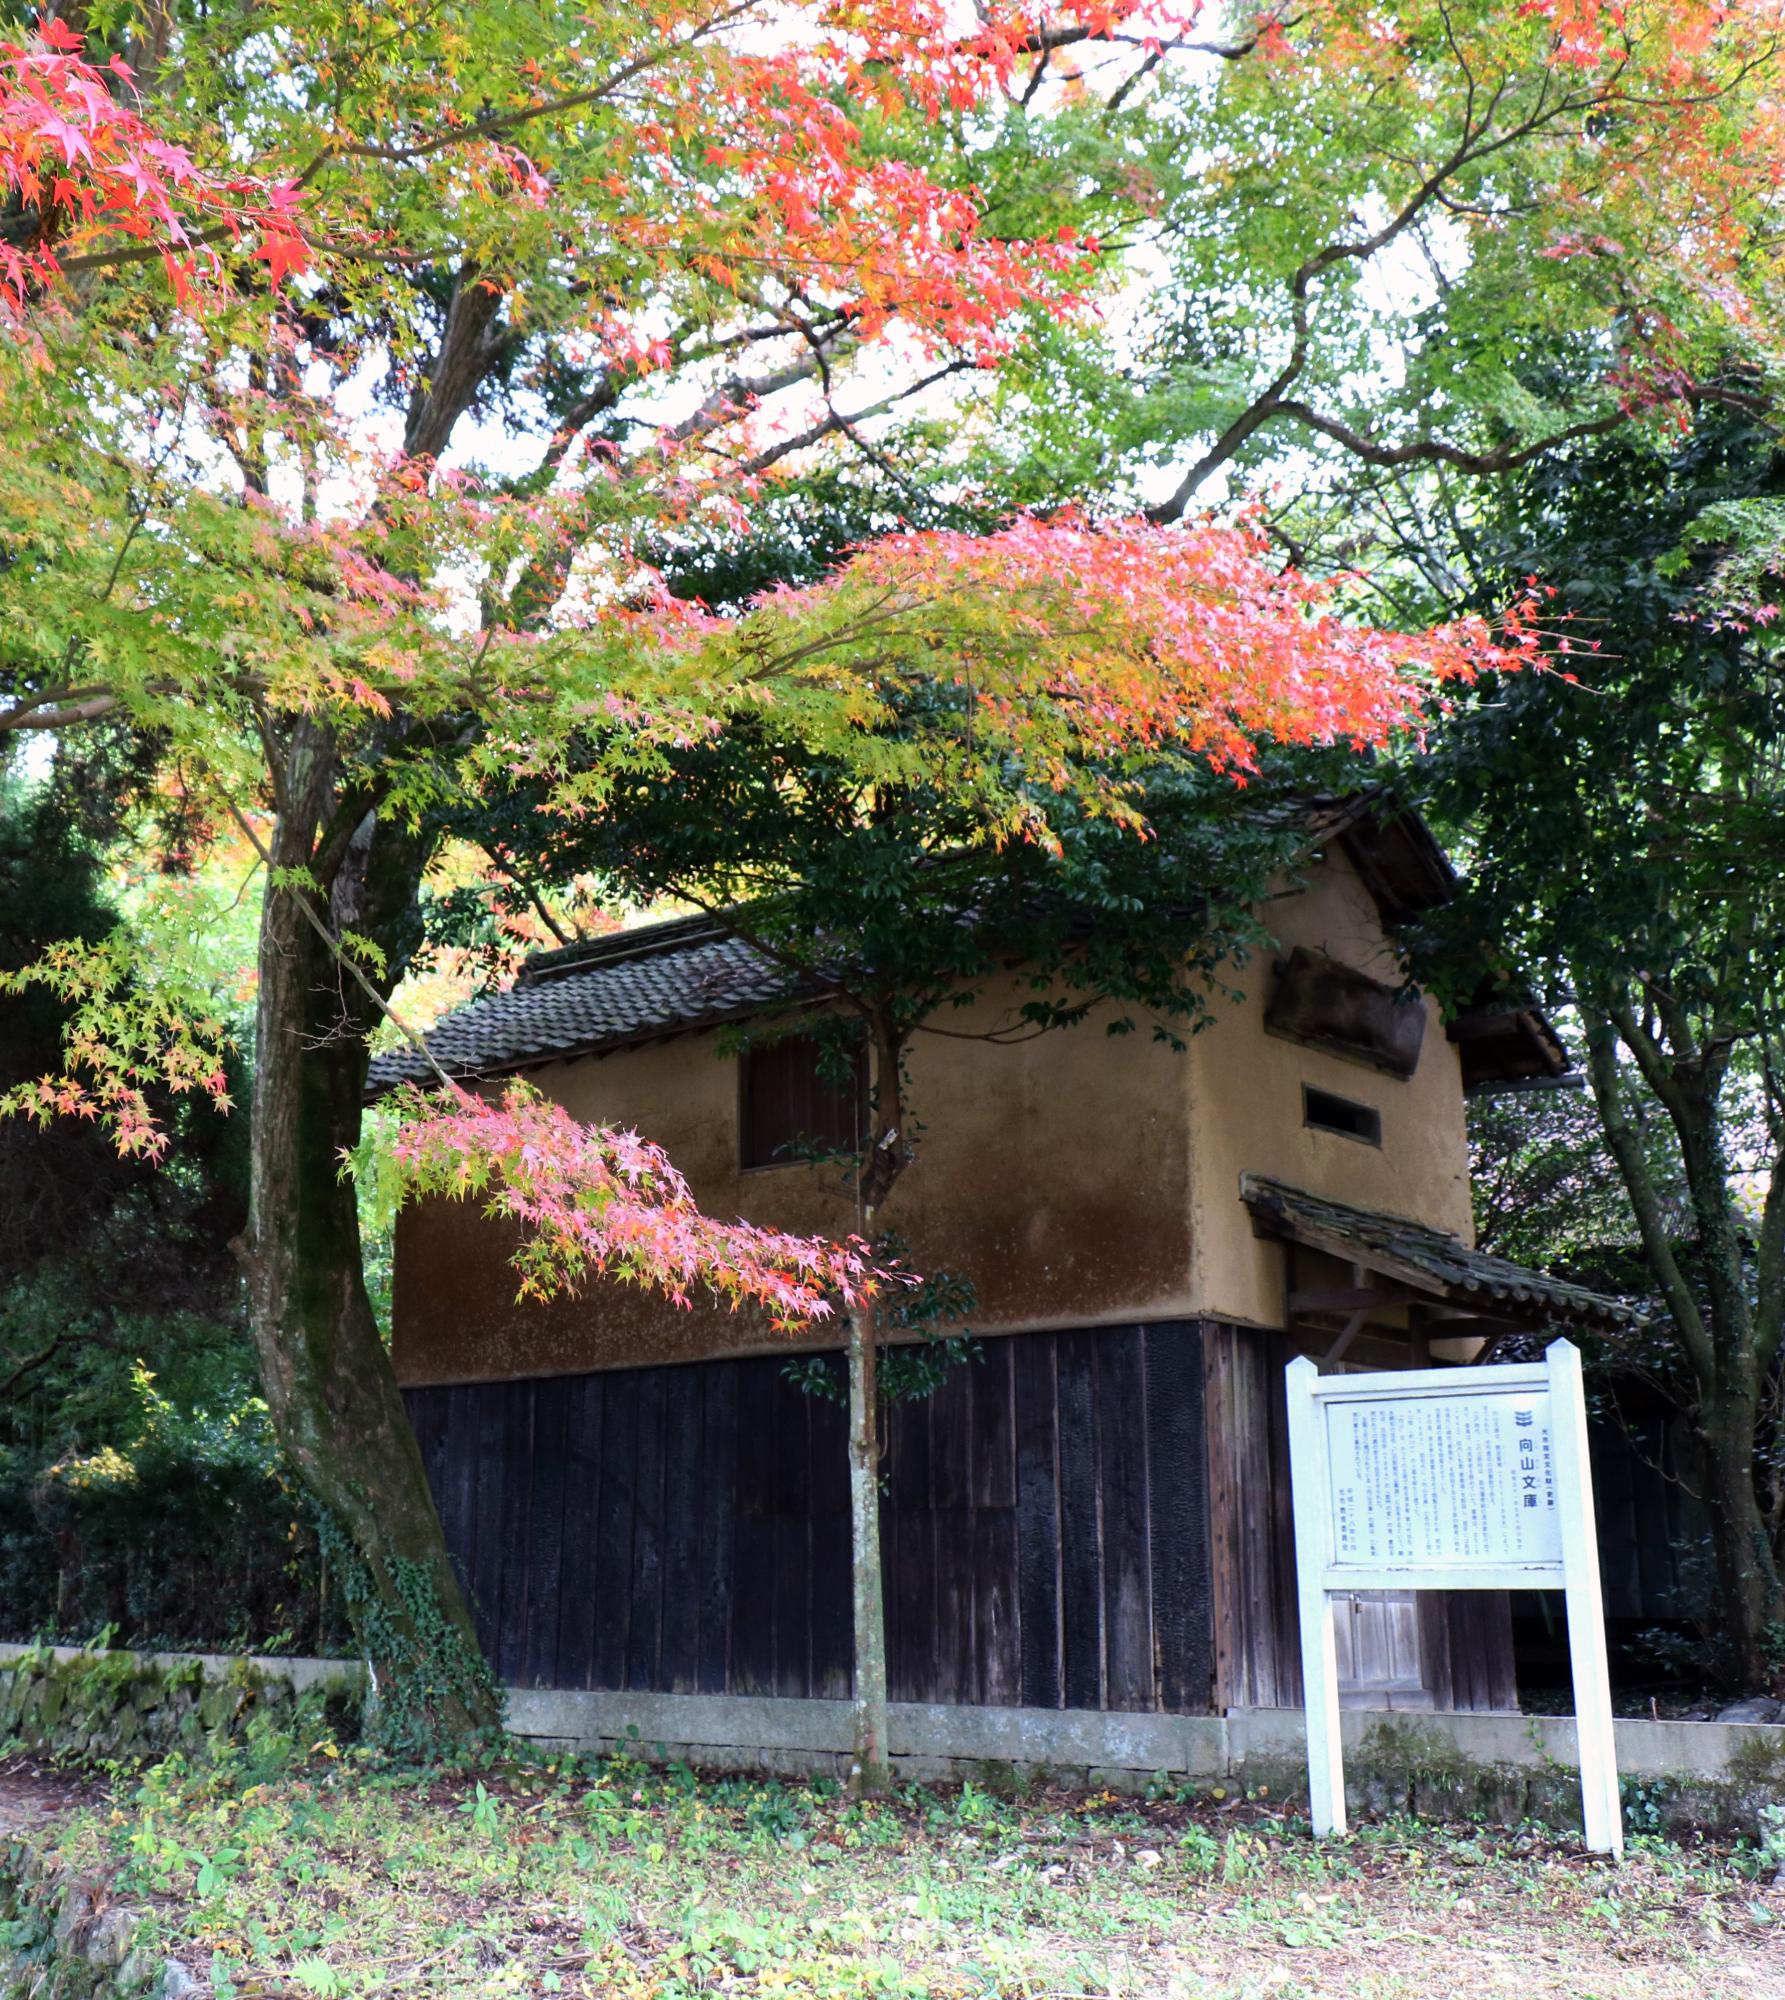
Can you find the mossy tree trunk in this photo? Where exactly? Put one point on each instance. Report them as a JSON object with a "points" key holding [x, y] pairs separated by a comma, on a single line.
{"points": [[335, 1404]]}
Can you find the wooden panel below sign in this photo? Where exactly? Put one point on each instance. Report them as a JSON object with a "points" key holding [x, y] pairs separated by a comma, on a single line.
{"points": [[1463, 1638]]}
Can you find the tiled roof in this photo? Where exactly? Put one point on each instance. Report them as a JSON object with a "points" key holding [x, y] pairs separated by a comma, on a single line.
{"points": [[1426, 1259], [660, 979], [663, 979]]}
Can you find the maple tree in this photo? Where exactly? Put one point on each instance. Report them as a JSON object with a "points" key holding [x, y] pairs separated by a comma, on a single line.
{"points": [[1367, 226], [650, 260]]}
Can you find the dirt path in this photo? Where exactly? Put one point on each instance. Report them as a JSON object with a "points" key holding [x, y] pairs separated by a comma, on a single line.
{"points": [[35, 1795]]}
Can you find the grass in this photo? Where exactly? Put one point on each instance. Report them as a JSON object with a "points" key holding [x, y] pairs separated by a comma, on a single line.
{"points": [[331, 1877]]}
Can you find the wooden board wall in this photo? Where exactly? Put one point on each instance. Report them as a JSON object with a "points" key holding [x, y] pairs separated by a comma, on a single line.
{"points": [[1649, 1518], [1465, 1636], [1044, 1526]]}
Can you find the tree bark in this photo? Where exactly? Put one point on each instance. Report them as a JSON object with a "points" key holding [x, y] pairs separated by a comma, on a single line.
{"points": [[871, 1772], [1751, 1602], [887, 1155], [1724, 1342], [334, 1400]]}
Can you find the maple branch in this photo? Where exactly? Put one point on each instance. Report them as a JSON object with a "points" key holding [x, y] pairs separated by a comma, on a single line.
{"points": [[729, 397], [1436, 451], [471, 132], [31, 1363], [1473, 146], [73, 707], [145, 253], [344, 958], [1047, 40], [471, 343], [835, 421], [493, 125], [1133, 79]]}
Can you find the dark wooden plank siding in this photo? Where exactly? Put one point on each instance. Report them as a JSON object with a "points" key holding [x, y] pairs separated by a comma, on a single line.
{"points": [[1038, 1528], [1465, 1646], [952, 1661], [456, 1492], [1044, 1526], [545, 1542], [995, 1569], [1285, 1605], [717, 1525], [752, 1606], [790, 1527], [1127, 1562], [483, 1546], [514, 1444], [1648, 1516], [579, 1603], [679, 1627], [613, 1531], [833, 1624], [429, 1424], [1081, 1595], [1178, 1517], [647, 1534], [908, 1548], [1245, 1370]]}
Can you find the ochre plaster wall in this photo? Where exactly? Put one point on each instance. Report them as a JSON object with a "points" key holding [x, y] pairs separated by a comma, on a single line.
{"points": [[1077, 1179], [1054, 1174], [1246, 1112]]}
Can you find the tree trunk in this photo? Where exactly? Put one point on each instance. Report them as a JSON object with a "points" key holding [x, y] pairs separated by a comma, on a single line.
{"points": [[887, 1155], [871, 1772], [1725, 1348], [335, 1405], [1750, 1607]]}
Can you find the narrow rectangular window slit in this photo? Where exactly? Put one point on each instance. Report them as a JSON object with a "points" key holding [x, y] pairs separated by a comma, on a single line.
{"points": [[1323, 1112]]}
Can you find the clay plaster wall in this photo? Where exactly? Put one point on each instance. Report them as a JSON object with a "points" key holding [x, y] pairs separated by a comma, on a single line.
{"points": [[1054, 1174], [1079, 1179], [1246, 1113]]}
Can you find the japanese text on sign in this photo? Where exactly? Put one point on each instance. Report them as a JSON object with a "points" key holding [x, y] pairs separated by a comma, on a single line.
{"points": [[1455, 1478]]}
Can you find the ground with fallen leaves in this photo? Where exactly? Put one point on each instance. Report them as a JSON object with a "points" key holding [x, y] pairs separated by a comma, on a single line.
{"points": [[337, 1878]]}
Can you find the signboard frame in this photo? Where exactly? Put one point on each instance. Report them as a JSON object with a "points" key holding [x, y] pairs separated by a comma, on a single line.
{"points": [[1320, 1575]]}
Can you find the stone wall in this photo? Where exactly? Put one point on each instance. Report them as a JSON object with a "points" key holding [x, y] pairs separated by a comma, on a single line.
{"points": [[61, 1938], [132, 1708]]}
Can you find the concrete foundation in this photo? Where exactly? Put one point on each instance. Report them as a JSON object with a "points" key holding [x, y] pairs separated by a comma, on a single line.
{"points": [[813, 1737], [1503, 1768]]}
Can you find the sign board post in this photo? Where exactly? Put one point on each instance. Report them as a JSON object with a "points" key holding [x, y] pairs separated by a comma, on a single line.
{"points": [[1448, 1479]]}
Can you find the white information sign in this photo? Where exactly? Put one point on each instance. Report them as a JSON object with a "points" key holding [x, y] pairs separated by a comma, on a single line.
{"points": [[1448, 1479]]}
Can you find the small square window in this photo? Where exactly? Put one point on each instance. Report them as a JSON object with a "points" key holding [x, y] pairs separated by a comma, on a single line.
{"points": [[794, 1105], [1323, 1112]]}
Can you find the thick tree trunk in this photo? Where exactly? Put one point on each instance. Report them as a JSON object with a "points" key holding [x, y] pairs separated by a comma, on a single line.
{"points": [[1750, 1608], [334, 1399], [871, 1772], [1726, 1342]]}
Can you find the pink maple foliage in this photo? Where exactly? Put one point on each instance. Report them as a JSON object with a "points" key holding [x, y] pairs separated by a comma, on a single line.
{"points": [[85, 165], [594, 1198]]}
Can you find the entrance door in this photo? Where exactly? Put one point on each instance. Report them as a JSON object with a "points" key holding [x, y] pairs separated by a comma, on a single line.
{"points": [[1378, 1646]]}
